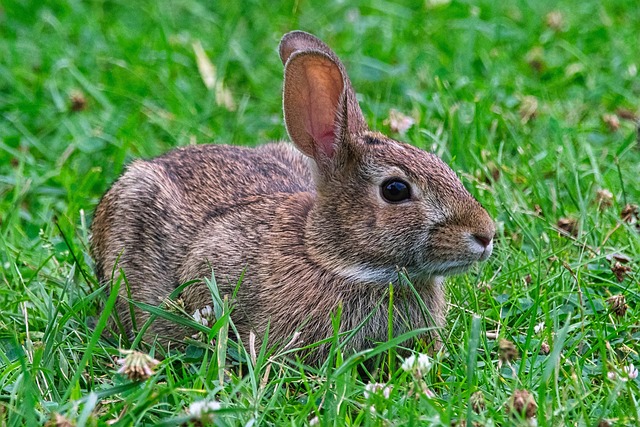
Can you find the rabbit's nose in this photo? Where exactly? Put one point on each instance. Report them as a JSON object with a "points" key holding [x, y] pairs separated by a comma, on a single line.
{"points": [[483, 239]]}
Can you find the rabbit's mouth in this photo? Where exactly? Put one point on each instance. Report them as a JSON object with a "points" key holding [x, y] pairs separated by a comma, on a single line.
{"points": [[479, 247], [486, 252]]}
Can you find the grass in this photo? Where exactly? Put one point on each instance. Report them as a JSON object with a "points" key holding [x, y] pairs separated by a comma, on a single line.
{"points": [[517, 96]]}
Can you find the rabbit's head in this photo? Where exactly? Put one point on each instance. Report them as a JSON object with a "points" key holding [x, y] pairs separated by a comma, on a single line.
{"points": [[381, 205]]}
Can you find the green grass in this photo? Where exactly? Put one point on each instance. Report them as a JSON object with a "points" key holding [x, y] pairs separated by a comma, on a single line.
{"points": [[466, 71]]}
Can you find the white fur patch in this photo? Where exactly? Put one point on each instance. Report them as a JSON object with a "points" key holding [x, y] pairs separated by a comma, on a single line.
{"points": [[367, 273]]}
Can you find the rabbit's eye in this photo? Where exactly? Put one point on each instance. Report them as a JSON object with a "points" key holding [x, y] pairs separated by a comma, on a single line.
{"points": [[395, 190]]}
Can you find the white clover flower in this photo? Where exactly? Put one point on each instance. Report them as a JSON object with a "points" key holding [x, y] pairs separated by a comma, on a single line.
{"points": [[375, 388], [136, 365], [424, 362], [429, 393], [538, 328], [203, 315], [207, 311], [202, 409], [399, 122], [631, 371], [197, 316], [206, 317], [418, 365], [314, 421], [611, 375], [407, 364]]}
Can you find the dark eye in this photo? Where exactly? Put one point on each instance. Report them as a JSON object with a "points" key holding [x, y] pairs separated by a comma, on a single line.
{"points": [[395, 190]]}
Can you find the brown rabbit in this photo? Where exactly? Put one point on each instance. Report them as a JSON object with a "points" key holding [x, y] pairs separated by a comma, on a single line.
{"points": [[329, 224]]}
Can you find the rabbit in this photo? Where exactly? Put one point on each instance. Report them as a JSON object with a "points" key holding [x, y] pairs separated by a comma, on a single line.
{"points": [[323, 224]]}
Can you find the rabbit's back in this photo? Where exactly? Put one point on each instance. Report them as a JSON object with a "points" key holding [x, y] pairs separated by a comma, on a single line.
{"points": [[210, 175], [147, 220]]}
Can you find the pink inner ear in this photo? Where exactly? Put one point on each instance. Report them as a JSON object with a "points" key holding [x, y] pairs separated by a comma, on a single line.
{"points": [[322, 101], [323, 134], [313, 89], [327, 141]]}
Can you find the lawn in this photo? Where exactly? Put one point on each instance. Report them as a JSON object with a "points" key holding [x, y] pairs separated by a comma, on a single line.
{"points": [[534, 103]]}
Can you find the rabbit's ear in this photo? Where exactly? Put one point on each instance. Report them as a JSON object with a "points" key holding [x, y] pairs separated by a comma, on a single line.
{"points": [[299, 41], [320, 106]]}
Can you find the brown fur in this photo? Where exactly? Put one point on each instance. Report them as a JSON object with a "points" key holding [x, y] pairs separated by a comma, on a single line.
{"points": [[311, 233]]}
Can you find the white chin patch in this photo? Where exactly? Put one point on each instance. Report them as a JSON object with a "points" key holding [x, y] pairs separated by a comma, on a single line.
{"points": [[374, 274], [367, 273]]}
